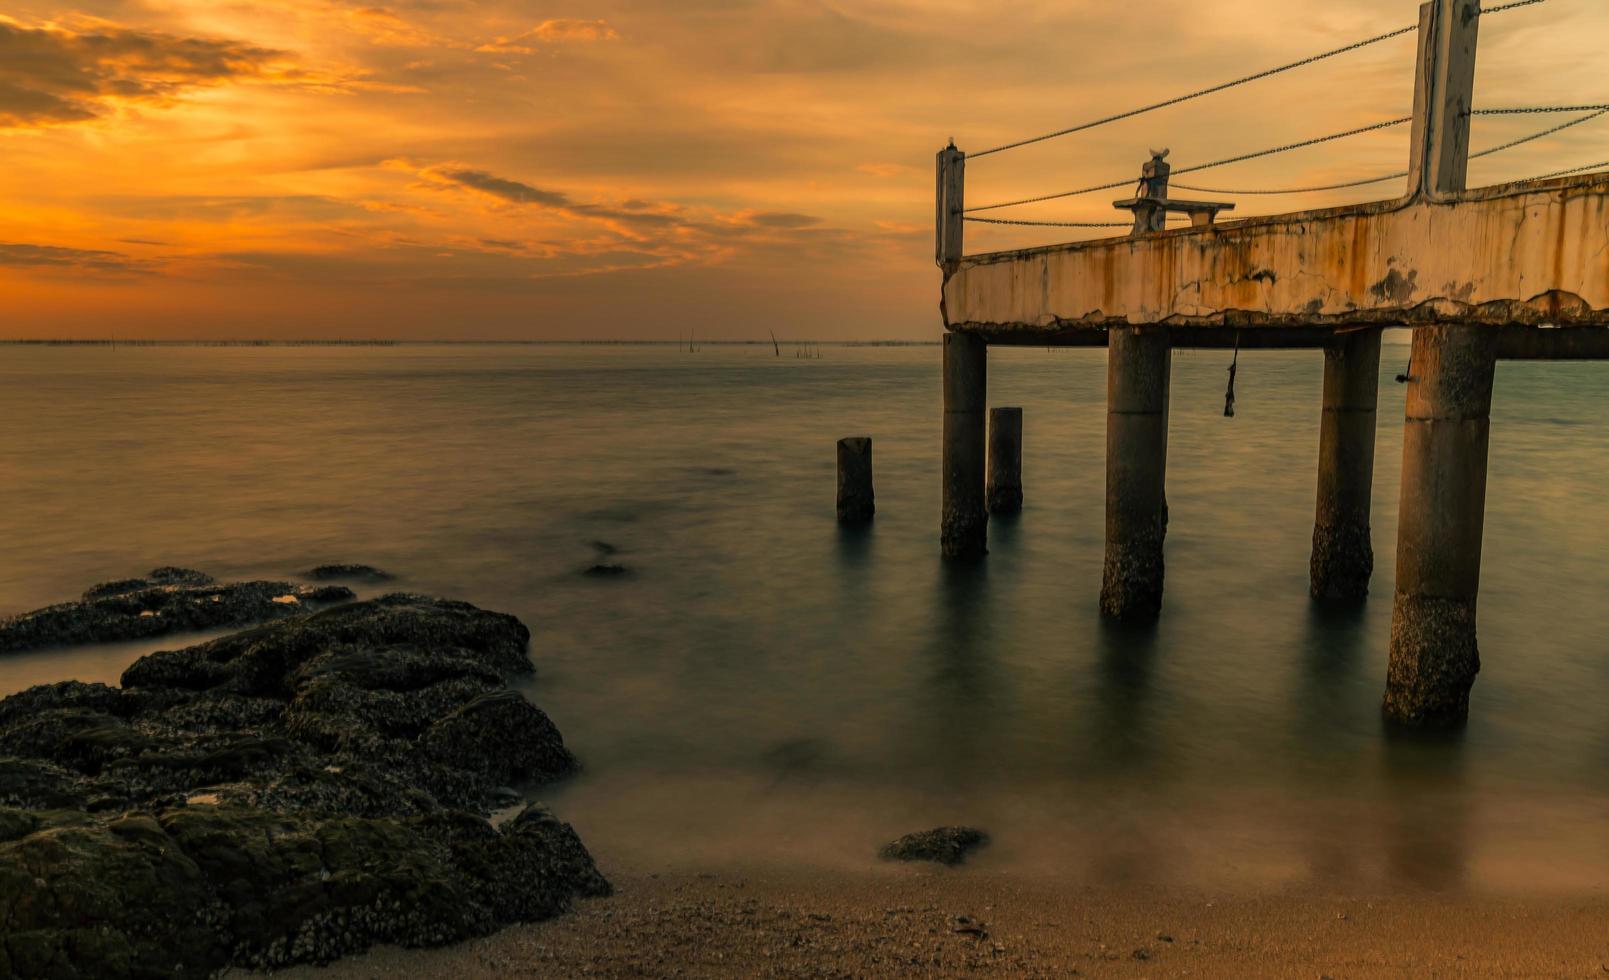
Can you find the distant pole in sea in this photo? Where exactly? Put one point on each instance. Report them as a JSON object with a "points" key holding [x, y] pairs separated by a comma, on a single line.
{"points": [[855, 498]]}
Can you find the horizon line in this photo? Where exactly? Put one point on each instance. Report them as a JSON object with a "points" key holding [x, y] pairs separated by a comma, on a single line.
{"points": [[440, 342]]}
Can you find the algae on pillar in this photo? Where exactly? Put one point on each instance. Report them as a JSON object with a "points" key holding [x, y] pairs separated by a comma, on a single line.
{"points": [[1343, 555], [1139, 360], [964, 528], [1434, 658], [1005, 460]]}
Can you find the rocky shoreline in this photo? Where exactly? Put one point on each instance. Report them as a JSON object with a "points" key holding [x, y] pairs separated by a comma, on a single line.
{"points": [[296, 792]]}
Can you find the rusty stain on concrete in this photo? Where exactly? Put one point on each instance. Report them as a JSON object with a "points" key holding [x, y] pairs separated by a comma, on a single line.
{"points": [[1524, 254]]}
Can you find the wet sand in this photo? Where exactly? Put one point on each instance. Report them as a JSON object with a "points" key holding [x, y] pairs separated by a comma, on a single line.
{"points": [[963, 923]]}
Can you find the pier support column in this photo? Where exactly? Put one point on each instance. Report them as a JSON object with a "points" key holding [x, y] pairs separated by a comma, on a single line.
{"points": [[964, 528], [1005, 460], [1343, 556], [1137, 377], [1443, 507]]}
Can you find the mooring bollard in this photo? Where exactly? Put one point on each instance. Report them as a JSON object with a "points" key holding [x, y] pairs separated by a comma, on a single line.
{"points": [[1005, 461], [855, 498]]}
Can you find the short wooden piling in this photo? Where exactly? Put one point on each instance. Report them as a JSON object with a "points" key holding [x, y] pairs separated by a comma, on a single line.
{"points": [[1005, 461], [856, 501], [1343, 554], [1434, 657], [964, 523], [1139, 360]]}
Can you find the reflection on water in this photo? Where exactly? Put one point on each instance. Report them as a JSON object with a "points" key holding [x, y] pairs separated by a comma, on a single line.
{"points": [[767, 686]]}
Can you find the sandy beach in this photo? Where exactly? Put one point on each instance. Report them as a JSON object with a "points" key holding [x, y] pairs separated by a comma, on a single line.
{"points": [[960, 923]]}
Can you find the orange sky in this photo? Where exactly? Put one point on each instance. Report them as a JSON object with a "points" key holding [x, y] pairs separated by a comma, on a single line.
{"points": [[652, 168]]}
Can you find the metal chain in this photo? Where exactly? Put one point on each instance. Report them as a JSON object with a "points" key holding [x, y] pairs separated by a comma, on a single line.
{"points": [[1575, 170], [1196, 95], [1533, 110], [1511, 6], [1397, 176], [1202, 166], [1293, 190], [1536, 136], [1295, 146], [1053, 224], [1052, 197]]}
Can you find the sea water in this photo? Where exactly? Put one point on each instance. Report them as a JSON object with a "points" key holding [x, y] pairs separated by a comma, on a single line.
{"points": [[764, 688]]}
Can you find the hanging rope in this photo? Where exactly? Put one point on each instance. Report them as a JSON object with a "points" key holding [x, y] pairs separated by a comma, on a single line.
{"points": [[1229, 395], [1407, 372]]}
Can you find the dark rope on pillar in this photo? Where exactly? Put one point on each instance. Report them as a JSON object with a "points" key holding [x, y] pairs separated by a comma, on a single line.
{"points": [[1407, 372], [1229, 395]]}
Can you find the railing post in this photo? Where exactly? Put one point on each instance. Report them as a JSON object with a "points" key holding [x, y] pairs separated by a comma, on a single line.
{"points": [[1447, 69], [951, 201]]}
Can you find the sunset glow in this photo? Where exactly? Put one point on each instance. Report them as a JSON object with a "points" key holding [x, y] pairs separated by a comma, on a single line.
{"points": [[644, 168]]}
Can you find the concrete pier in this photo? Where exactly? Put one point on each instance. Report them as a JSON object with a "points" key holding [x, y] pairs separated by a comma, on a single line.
{"points": [[856, 501], [1441, 514], [1139, 360], [1005, 461], [1343, 555], [964, 527]]}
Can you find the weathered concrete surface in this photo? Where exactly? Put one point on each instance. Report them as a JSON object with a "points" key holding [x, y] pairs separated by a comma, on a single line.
{"points": [[1441, 515], [964, 523], [1529, 253], [1343, 555], [1138, 375]]}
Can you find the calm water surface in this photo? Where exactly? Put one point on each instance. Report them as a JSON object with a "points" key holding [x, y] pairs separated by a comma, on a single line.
{"points": [[766, 688]]}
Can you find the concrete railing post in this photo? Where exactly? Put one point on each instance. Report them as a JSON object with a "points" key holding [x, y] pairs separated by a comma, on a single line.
{"points": [[856, 502], [1005, 460], [1343, 555], [964, 528], [1139, 360], [950, 201], [1434, 657]]}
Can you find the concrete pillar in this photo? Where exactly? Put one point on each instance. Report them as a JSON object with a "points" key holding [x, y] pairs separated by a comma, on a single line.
{"points": [[1137, 379], [1343, 556], [1433, 653], [964, 530], [856, 502], [1005, 460]]}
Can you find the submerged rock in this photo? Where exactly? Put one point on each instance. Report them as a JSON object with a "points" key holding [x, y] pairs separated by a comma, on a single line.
{"points": [[169, 600], [291, 793], [945, 845], [349, 573]]}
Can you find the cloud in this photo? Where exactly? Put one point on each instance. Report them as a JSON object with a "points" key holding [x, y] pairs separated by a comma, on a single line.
{"points": [[18, 255], [774, 219], [499, 187], [559, 31], [51, 75]]}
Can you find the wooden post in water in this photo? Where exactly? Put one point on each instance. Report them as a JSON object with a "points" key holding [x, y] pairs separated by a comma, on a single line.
{"points": [[1442, 510], [1005, 460], [1139, 362], [1343, 555], [856, 502], [964, 528]]}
